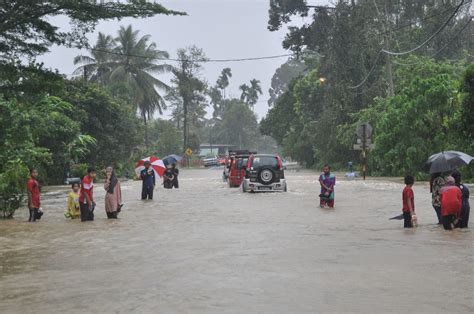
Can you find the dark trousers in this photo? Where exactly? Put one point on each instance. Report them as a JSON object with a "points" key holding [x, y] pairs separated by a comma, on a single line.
{"points": [[33, 214], [112, 215], [407, 220], [147, 192], [86, 213], [438, 213], [176, 183], [448, 222], [464, 218]]}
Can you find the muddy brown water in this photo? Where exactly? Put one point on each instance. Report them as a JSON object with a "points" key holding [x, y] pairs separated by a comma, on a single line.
{"points": [[206, 248]]}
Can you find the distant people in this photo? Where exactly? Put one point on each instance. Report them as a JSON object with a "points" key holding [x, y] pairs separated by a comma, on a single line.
{"points": [[327, 180], [148, 185], [436, 183], [465, 208], [408, 198], [451, 204], [73, 207], [86, 195], [113, 194], [349, 167], [34, 192]]}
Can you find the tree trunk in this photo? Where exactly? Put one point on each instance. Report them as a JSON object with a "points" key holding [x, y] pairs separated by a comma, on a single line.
{"points": [[145, 122]]}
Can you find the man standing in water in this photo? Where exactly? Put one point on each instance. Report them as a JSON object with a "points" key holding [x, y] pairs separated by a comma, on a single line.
{"points": [[86, 197], [33, 195], [148, 177]]}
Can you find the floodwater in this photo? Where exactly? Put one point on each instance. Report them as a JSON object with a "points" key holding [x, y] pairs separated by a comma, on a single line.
{"points": [[206, 248]]}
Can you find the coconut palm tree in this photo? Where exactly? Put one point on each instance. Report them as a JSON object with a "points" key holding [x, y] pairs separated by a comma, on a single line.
{"points": [[96, 68], [134, 64]]}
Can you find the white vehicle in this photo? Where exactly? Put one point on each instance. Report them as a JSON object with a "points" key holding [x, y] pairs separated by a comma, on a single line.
{"points": [[211, 161]]}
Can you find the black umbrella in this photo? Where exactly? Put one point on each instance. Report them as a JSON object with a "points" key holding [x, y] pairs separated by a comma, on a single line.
{"points": [[171, 159], [398, 217], [447, 161]]}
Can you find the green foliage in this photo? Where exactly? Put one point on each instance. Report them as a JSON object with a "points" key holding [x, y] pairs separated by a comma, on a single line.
{"points": [[188, 98], [315, 120], [238, 126], [165, 138], [27, 29], [423, 118], [127, 70], [112, 124], [13, 179]]}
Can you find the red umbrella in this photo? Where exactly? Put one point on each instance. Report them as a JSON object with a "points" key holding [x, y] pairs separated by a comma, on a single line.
{"points": [[156, 164]]}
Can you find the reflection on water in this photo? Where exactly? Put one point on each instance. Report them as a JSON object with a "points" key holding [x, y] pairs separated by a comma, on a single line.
{"points": [[209, 248]]}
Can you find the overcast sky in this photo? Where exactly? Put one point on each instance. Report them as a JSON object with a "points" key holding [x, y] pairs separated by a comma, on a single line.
{"points": [[224, 29]]}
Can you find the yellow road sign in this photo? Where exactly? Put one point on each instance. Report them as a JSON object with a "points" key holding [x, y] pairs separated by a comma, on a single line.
{"points": [[189, 152]]}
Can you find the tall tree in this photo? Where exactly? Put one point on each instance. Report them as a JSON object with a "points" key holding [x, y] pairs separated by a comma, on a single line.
{"points": [[250, 94], [191, 88], [129, 61], [98, 67], [223, 80], [27, 30]]}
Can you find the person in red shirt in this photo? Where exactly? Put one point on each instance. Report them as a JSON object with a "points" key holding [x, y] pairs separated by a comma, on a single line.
{"points": [[34, 201], [86, 195], [451, 203], [408, 198]]}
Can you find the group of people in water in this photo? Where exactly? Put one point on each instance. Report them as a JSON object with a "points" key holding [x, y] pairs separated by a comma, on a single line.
{"points": [[450, 197], [80, 201], [450, 200]]}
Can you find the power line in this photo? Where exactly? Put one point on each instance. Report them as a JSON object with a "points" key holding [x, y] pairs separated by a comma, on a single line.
{"points": [[409, 51], [429, 38], [203, 61], [440, 50]]}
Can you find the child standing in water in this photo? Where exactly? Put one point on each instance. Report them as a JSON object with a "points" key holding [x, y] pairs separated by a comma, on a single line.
{"points": [[73, 208], [327, 181], [408, 198]]}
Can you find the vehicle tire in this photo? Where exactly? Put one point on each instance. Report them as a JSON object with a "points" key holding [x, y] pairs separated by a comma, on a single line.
{"points": [[266, 176], [286, 188], [243, 188]]}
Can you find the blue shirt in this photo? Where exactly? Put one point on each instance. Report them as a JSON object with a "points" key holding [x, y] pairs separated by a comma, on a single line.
{"points": [[148, 179]]}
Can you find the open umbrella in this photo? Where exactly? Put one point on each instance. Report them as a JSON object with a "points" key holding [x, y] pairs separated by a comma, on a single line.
{"points": [[447, 161], [171, 159], [156, 164]]}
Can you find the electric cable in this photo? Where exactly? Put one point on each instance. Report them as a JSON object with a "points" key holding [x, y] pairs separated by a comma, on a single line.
{"points": [[429, 38], [409, 51], [440, 50]]}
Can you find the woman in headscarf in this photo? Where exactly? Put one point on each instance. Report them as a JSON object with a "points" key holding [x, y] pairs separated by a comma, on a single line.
{"points": [[113, 196], [451, 204], [436, 183]]}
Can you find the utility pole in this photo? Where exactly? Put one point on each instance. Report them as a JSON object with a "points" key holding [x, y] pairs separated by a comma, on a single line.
{"points": [[386, 41], [364, 149], [386, 38]]}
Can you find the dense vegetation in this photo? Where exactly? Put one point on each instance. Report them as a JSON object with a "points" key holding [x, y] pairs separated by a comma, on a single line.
{"points": [[51, 123], [106, 114], [419, 103]]}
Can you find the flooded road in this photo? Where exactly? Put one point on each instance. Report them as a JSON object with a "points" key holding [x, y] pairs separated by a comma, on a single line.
{"points": [[207, 248]]}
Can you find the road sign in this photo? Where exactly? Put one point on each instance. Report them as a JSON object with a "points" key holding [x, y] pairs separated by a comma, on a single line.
{"points": [[189, 152], [368, 130]]}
